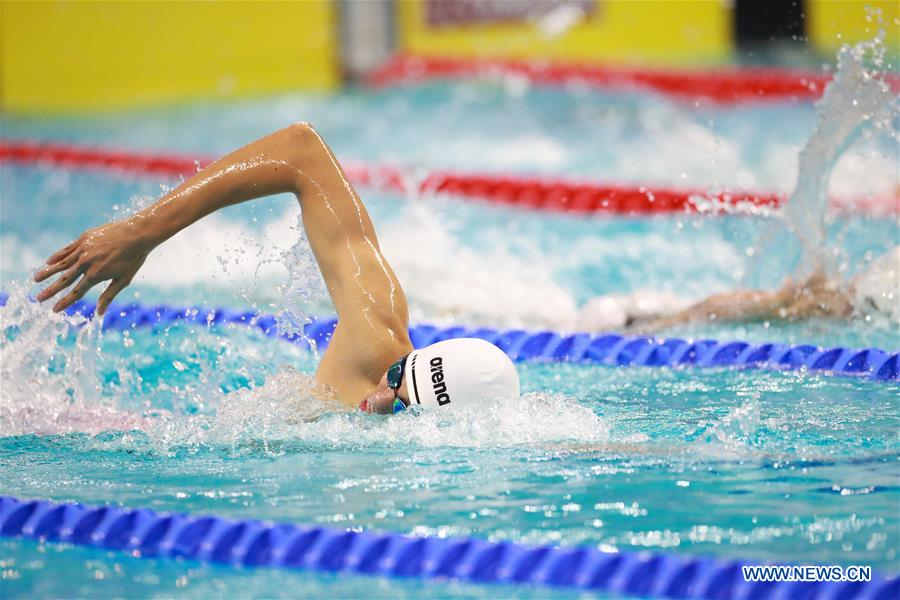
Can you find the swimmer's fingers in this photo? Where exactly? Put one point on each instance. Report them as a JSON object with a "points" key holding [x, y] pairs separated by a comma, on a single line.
{"points": [[76, 293], [63, 252], [53, 268], [111, 291], [64, 281]]}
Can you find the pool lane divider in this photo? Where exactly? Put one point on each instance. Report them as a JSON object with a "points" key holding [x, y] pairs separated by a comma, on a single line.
{"points": [[612, 349], [548, 194], [144, 533], [722, 86]]}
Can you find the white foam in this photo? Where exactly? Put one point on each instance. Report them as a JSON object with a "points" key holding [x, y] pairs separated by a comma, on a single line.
{"points": [[53, 383], [866, 172], [519, 151], [34, 399], [444, 279], [533, 419]]}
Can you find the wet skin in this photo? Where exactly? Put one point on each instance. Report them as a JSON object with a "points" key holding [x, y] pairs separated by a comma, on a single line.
{"points": [[372, 329], [381, 400]]}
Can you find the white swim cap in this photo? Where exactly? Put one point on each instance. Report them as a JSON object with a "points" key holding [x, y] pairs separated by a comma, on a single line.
{"points": [[877, 289], [460, 372]]}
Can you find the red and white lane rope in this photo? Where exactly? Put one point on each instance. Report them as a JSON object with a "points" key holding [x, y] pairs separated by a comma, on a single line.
{"points": [[727, 85], [553, 194]]}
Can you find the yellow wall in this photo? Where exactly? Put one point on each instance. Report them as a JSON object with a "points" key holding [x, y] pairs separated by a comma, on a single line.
{"points": [[833, 23], [663, 32], [98, 55]]}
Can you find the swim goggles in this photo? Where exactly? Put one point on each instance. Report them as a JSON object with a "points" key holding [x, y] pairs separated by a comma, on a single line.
{"points": [[394, 379]]}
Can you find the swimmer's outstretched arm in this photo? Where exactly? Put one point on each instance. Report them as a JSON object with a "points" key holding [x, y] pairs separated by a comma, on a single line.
{"points": [[742, 305], [814, 297], [363, 288]]}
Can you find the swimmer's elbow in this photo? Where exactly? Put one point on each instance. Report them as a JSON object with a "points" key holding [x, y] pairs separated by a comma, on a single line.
{"points": [[301, 131], [298, 139], [307, 153]]}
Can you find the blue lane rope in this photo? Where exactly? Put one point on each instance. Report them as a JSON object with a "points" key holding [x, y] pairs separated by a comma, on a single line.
{"points": [[250, 543], [606, 348]]}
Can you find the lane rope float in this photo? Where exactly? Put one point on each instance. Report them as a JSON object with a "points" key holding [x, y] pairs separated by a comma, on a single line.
{"points": [[550, 194], [144, 533], [611, 349], [723, 86]]}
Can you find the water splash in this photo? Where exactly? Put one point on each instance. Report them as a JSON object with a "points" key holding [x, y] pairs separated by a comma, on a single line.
{"points": [[273, 410], [61, 376], [304, 289], [736, 429], [856, 99], [185, 387], [38, 347], [281, 413], [58, 379]]}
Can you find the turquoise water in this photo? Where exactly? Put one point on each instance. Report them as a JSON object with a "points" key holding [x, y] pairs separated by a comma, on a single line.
{"points": [[735, 464], [756, 465]]}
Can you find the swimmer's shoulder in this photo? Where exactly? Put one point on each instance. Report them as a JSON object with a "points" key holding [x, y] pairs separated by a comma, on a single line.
{"points": [[352, 368]]}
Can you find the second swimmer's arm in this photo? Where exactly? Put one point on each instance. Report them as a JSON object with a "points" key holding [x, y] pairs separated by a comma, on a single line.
{"points": [[814, 297], [730, 306]]}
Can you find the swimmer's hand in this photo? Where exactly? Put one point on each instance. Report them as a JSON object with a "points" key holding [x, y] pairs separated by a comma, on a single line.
{"points": [[113, 252]]}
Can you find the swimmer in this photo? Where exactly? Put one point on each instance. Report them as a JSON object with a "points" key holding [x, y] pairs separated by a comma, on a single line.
{"points": [[872, 294], [370, 362]]}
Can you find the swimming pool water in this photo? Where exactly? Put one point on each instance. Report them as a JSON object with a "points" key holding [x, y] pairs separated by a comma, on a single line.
{"points": [[484, 265], [734, 464], [87, 571], [488, 126], [758, 465]]}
